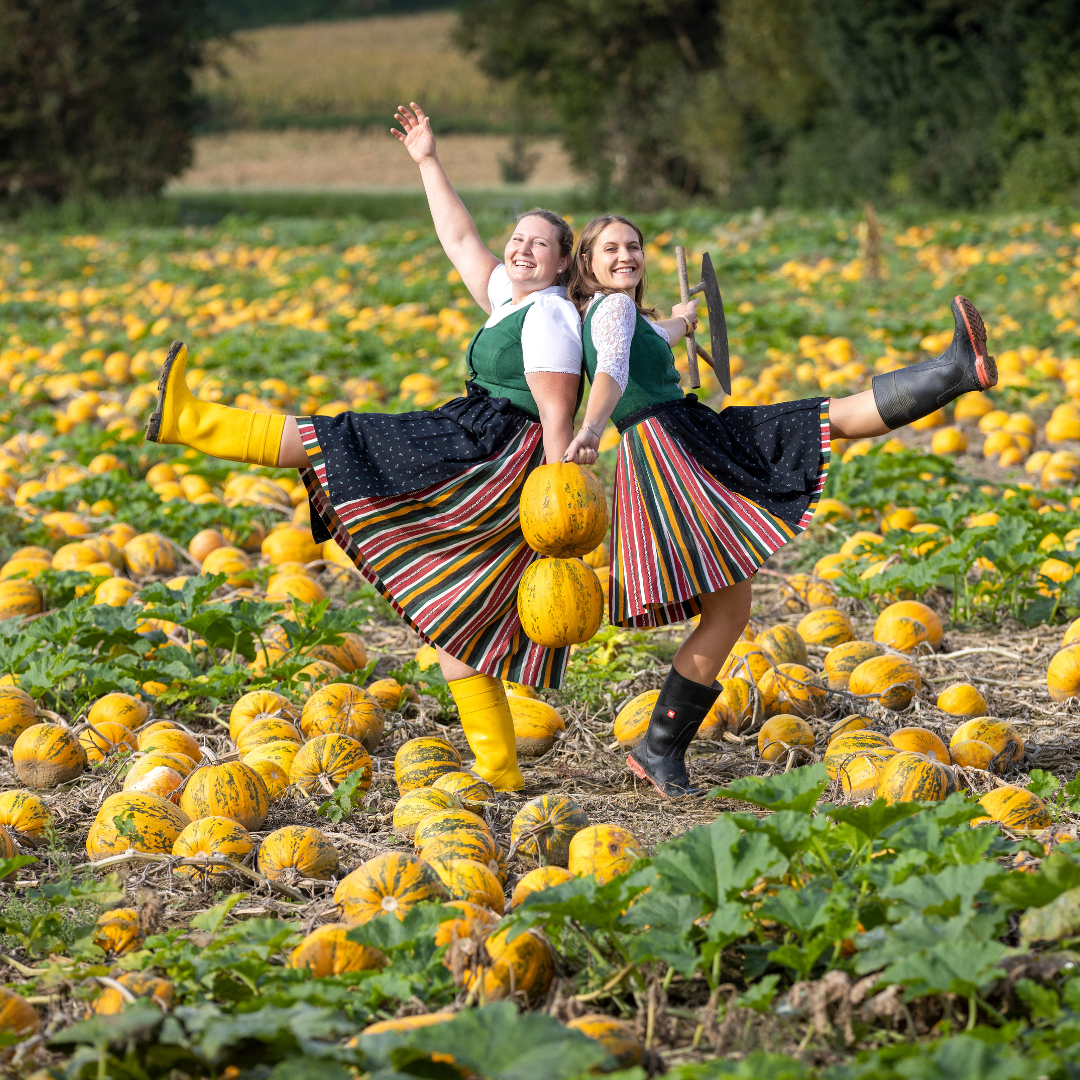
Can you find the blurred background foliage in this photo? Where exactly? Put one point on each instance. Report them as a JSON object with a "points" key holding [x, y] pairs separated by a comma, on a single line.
{"points": [[738, 103]]}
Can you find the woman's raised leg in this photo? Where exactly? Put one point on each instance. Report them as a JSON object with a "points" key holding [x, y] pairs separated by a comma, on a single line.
{"points": [[724, 615]]}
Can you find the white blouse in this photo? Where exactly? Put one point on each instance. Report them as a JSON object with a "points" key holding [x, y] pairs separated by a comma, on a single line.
{"points": [[612, 331], [551, 333]]}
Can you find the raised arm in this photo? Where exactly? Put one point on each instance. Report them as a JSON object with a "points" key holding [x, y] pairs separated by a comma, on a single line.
{"points": [[454, 224]]}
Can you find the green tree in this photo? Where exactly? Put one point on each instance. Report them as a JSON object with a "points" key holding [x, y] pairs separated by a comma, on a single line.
{"points": [[96, 96], [617, 76]]}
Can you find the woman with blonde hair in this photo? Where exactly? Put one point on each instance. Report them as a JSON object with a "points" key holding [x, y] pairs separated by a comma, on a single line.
{"points": [[702, 498], [426, 503]]}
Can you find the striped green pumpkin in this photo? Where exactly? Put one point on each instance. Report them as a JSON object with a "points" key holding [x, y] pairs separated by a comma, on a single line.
{"points": [[153, 825], [420, 762], [418, 804], [447, 823], [543, 828], [300, 848], [463, 844], [394, 882], [848, 745], [909, 777]]}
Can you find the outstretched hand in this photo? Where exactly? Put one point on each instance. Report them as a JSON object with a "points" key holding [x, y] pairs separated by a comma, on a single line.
{"points": [[417, 135], [687, 311], [583, 449]]}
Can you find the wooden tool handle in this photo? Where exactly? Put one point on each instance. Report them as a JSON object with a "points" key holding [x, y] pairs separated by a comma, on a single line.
{"points": [[691, 344]]}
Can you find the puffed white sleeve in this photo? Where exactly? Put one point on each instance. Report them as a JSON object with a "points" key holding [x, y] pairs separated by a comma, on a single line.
{"points": [[612, 331], [551, 336], [500, 288]]}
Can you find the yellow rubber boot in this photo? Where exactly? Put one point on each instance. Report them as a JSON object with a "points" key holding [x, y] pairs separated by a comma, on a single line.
{"points": [[232, 434], [485, 716]]}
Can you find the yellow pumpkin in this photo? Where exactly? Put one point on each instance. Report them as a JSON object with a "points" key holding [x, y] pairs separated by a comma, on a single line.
{"points": [[161, 780], [416, 805], [848, 724], [257, 704], [144, 763], [203, 542], [298, 849], [17, 1015], [718, 720], [826, 626], [543, 877], [747, 661], [920, 741], [453, 822], [152, 824], [915, 609], [605, 851], [468, 789], [266, 731], [139, 984], [393, 882], [24, 813], [961, 699], [849, 745], [104, 739], [47, 755], [228, 789], [149, 555], [209, 837], [909, 777], [18, 711], [900, 632], [327, 951], [420, 762], [614, 1035], [273, 775], [467, 879], [892, 681], [737, 695], [999, 734], [346, 709], [168, 739], [118, 931], [560, 602], [1063, 673], [523, 966], [632, 721], [1015, 808], [782, 645], [327, 760], [973, 754], [778, 735], [390, 695], [860, 774], [599, 556], [283, 588], [22, 598], [118, 708], [842, 660], [290, 544], [563, 510], [544, 828], [792, 688], [536, 725]]}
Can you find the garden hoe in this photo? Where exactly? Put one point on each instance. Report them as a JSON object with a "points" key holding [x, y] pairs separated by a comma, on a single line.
{"points": [[717, 325]]}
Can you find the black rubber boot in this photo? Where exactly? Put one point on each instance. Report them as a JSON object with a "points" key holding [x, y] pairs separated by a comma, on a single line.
{"points": [[660, 757], [909, 393]]}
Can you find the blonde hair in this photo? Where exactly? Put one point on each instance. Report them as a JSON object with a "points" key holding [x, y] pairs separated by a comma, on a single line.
{"points": [[583, 285]]}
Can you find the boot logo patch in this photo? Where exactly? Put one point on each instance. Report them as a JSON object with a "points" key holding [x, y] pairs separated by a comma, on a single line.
{"points": [[671, 714]]}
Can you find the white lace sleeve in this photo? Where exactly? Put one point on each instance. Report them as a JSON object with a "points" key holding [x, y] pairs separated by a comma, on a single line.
{"points": [[612, 331], [661, 331]]}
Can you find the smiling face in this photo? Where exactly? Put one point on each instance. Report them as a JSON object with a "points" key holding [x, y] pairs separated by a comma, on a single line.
{"points": [[532, 256], [617, 259]]}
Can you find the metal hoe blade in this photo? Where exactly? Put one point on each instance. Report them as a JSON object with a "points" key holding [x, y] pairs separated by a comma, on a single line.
{"points": [[720, 359]]}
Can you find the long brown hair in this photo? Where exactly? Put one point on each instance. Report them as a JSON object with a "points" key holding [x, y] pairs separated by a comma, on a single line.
{"points": [[583, 285]]}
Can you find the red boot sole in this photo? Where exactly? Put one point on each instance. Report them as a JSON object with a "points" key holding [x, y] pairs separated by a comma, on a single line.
{"points": [[635, 767], [985, 368]]}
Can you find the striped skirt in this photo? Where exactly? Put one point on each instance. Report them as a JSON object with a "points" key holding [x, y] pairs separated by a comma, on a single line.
{"points": [[680, 529], [448, 557]]}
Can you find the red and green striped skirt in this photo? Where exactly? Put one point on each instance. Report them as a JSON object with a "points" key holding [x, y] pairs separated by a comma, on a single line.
{"points": [[702, 499], [447, 557]]}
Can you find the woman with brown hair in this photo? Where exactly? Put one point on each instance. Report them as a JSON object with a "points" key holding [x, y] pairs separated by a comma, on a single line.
{"points": [[702, 498], [426, 503]]}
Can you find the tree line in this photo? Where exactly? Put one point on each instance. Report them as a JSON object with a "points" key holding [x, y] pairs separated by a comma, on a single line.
{"points": [[805, 102]]}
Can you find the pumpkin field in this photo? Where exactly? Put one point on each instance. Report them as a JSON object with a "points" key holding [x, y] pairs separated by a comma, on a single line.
{"points": [[238, 832]]}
